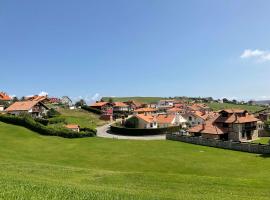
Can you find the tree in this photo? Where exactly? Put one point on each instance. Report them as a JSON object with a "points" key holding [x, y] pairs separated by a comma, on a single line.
{"points": [[80, 103], [225, 100], [22, 99], [15, 99], [110, 100]]}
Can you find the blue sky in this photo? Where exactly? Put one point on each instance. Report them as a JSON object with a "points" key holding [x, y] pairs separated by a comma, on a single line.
{"points": [[135, 48]]}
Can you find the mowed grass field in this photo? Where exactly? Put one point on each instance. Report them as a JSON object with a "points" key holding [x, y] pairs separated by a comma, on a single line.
{"points": [[39, 167], [220, 106]]}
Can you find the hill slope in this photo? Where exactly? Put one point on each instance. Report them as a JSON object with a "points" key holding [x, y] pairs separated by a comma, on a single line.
{"points": [[139, 99], [40, 167], [220, 106]]}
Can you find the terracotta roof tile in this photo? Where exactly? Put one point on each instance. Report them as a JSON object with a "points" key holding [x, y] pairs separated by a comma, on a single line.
{"points": [[145, 110], [99, 104], [4, 96], [72, 126], [21, 106], [120, 104]]}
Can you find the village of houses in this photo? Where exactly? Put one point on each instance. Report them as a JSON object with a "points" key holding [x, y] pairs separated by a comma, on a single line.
{"points": [[193, 119]]}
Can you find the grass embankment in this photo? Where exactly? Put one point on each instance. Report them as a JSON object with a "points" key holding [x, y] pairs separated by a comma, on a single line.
{"points": [[220, 106], [39, 167], [81, 117], [262, 140]]}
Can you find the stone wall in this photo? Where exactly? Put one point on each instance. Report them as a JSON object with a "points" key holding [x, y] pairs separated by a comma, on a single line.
{"points": [[238, 146]]}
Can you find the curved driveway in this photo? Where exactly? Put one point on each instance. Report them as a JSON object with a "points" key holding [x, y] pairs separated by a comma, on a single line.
{"points": [[104, 131]]}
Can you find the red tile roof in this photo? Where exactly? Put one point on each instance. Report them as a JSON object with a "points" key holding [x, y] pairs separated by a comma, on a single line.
{"points": [[120, 104], [208, 128], [72, 126], [145, 110], [233, 111], [160, 119], [165, 119], [147, 118], [99, 104], [4, 96], [21, 106], [237, 119], [174, 109]]}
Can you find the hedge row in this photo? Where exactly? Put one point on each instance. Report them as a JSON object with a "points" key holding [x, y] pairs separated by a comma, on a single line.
{"points": [[33, 125], [139, 132], [93, 110]]}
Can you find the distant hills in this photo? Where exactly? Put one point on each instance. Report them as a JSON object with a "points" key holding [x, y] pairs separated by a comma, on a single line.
{"points": [[263, 102], [138, 99]]}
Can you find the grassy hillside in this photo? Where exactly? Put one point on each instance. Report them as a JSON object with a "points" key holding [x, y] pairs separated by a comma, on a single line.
{"points": [[81, 117], [139, 99], [220, 106], [39, 167]]}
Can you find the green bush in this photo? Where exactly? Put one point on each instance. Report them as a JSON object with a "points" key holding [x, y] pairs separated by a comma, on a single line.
{"points": [[132, 122], [53, 113], [117, 129], [45, 122], [33, 125], [57, 120]]}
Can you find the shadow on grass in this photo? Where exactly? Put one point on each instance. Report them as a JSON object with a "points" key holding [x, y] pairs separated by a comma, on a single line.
{"points": [[265, 155]]}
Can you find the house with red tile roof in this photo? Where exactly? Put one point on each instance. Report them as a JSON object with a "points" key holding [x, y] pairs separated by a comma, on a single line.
{"points": [[159, 120], [197, 117], [34, 108], [101, 105], [42, 99], [145, 111], [4, 97], [133, 105], [229, 124], [73, 127], [120, 107]]}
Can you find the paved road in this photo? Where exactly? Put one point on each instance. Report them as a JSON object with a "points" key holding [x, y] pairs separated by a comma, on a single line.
{"points": [[104, 131]]}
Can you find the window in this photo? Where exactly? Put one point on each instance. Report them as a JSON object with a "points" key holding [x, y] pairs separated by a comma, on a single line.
{"points": [[243, 134], [190, 118], [225, 125], [151, 125]]}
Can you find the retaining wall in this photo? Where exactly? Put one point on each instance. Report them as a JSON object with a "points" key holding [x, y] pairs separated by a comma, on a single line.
{"points": [[238, 146]]}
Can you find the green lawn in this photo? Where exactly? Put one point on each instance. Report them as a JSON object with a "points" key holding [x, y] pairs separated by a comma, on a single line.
{"points": [[220, 106], [39, 167], [83, 118], [263, 140]]}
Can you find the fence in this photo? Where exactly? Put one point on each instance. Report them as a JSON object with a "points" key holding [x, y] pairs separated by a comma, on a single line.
{"points": [[238, 146]]}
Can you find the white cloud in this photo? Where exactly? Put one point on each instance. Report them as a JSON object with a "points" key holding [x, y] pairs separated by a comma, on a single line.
{"points": [[88, 98], [96, 97], [259, 55], [43, 93]]}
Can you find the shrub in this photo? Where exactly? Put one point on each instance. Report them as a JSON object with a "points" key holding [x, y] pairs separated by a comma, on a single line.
{"points": [[132, 122], [57, 120], [33, 125], [45, 122], [52, 113], [115, 128]]}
